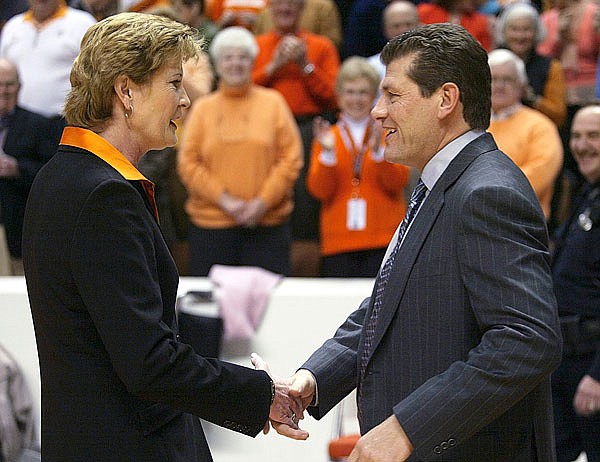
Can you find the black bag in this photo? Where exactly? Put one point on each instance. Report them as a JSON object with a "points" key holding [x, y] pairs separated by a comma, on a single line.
{"points": [[199, 323]]}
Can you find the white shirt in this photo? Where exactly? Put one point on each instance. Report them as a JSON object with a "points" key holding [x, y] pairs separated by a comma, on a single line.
{"points": [[44, 57]]}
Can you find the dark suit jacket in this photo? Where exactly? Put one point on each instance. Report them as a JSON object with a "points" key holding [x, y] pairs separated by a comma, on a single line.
{"points": [[117, 385], [32, 140], [468, 332]]}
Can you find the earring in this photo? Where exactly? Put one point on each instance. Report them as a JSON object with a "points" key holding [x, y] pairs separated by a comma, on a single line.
{"points": [[129, 111]]}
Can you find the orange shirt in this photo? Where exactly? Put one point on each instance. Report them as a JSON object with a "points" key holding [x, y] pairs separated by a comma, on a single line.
{"points": [[306, 94]]}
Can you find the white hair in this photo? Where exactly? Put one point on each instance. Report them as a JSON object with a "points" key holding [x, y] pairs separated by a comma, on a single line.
{"points": [[501, 56], [518, 10], [233, 37]]}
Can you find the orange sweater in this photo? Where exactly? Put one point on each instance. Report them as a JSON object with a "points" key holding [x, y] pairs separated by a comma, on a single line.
{"points": [[243, 141], [306, 94], [381, 186]]}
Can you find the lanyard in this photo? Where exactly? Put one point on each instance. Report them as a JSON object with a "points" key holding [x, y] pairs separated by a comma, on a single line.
{"points": [[358, 154]]}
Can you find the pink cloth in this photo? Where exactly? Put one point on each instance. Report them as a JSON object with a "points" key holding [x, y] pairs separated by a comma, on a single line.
{"points": [[242, 295]]}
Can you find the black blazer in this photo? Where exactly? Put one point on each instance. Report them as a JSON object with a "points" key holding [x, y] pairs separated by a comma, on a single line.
{"points": [[32, 140], [467, 335], [117, 384]]}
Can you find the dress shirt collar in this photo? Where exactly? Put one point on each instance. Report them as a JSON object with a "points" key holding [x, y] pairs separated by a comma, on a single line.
{"points": [[438, 163]]}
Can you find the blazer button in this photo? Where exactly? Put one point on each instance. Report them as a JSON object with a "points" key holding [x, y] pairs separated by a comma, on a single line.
{"points": [[452, 442], [444, 445], [437, 450]]}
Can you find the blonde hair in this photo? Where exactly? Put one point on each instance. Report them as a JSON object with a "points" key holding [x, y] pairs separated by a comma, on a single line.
{"points": [[357, 67], [132, 44]]}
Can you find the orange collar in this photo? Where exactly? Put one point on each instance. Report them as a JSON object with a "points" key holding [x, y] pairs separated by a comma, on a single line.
{"points": [[59, 13], [94, 143]]}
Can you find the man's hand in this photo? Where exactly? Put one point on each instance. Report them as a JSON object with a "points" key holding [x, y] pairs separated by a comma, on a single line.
{"points": [[286, 410], [587, 397], [385, 443]]}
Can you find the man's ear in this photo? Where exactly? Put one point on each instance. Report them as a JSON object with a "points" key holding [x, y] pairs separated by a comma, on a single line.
{"points": [[449, 99], [122, 89]]}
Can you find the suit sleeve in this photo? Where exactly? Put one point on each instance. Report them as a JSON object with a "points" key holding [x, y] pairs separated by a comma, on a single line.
{"points": [[503, 264], [114, 267], [335, 365]]}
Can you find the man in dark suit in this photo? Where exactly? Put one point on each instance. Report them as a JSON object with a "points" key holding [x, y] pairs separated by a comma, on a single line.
{"points": [[452, 354], [27, 141]]}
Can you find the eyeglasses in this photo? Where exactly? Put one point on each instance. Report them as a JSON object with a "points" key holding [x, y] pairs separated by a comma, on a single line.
{"points": [[504, 80]]}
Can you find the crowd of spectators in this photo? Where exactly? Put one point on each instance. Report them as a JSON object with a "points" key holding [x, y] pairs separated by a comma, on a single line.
{"points": [[300, 45]]}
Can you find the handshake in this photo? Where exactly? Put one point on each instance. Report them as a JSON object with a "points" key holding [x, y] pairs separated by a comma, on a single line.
{"points": [[292, 397]]}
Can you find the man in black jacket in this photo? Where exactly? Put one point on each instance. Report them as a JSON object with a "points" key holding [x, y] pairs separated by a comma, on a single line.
{"points": [[27, 141]]}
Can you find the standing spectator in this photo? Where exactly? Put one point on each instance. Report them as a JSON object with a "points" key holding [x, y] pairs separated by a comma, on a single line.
{"points": [[239, 158], [520, 30], [43, 43], [242, 13], [463, 12], [318, 16], [398, 16], [362, 198], [303, 67], [524, 134], [27, 141], [576, 272]]}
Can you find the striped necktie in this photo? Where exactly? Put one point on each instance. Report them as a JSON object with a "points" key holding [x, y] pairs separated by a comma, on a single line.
{"points": [[416, 198]]}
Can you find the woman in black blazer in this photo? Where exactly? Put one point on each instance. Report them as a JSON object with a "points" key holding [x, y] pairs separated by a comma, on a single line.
{"points": [[117, 383]]}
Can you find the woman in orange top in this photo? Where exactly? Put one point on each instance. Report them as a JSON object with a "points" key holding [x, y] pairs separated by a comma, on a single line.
{"points": [[362, 197]]}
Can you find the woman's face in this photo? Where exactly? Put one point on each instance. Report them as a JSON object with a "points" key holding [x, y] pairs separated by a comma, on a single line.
{"points": [[355, 98], [156, 105], [234, 66], [519, 34]]}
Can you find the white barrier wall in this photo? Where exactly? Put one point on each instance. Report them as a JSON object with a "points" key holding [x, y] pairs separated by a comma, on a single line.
{"points": [[301, 314]]}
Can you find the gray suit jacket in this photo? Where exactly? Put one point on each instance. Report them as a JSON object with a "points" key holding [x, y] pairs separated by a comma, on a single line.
{"points": [[468, 332]]}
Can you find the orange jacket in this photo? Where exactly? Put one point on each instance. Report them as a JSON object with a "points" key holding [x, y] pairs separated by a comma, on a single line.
{"points": [[381, 186]]}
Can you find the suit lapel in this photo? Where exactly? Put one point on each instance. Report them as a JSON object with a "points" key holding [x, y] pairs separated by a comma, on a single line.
{"points": [[420, 228]]}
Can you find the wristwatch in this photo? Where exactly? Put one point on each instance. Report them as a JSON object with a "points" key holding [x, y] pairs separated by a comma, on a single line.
{"points": [[308, 69]]}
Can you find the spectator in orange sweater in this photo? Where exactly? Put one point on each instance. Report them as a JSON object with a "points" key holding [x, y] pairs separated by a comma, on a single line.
{"points": [[239, 157], [361, 194]]}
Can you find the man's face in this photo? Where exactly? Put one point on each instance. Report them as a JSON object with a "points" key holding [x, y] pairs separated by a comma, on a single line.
{"points": [[9, 89], [585, 142], [506, 88], [399, 18], [286, 14], [409, 120]]}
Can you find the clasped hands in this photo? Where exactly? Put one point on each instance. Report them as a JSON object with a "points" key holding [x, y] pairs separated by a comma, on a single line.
{"points": [[292, 397]]}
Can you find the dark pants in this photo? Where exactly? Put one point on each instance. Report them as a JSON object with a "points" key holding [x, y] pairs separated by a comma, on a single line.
{"points": [[267, 247], [574, 433], [359, 264]]}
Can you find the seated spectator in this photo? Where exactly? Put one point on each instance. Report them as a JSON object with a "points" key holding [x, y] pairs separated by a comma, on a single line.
{"points": [[526, 135], [302, 66], [463, 12], [318, 16], [520, 30], [362, 198], [239, 157], [27, 141]]}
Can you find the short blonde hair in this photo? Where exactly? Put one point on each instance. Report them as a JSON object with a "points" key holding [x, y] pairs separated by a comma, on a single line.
{"points": [[132, 44], [357, 67]]}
